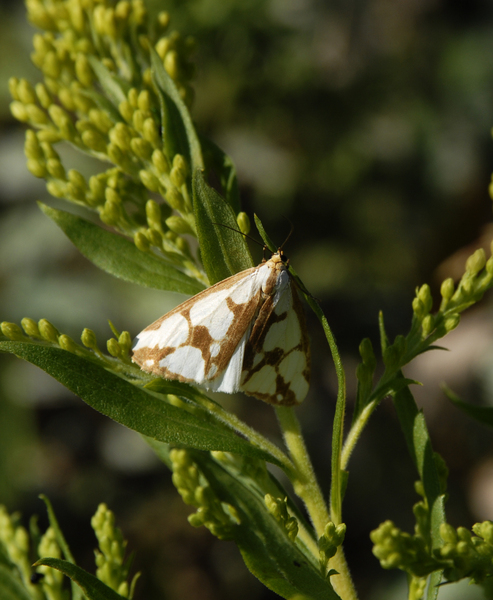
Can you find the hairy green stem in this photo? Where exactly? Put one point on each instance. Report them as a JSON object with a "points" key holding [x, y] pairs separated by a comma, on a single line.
{"points": [[304, 481]]}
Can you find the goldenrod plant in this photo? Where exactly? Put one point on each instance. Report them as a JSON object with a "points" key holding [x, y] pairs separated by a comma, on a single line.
{"points": [[118, 88]]}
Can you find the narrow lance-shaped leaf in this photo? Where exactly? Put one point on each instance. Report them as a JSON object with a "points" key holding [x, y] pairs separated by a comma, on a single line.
{"points": [[167, 85], [224, 251], [93, 588], [266, 549], [119, 257], [137, 408]]}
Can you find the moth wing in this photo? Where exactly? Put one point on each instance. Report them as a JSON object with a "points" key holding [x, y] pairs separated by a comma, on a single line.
{"points": [[276, 366], [203, 339]]}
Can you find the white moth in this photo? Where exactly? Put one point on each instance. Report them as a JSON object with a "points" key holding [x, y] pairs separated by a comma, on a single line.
{"points": [[246, 333]]}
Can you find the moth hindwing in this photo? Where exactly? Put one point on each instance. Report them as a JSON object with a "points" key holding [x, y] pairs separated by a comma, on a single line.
{"points": [[246, 333]]}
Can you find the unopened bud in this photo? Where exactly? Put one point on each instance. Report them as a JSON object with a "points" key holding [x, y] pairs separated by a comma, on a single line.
{"points": [[476, 262], [48, 331]]}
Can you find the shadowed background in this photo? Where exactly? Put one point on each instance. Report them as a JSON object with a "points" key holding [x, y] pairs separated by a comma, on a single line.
{"points": [[367, 125]]}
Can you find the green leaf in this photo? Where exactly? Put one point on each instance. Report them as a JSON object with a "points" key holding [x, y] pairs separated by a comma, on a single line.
{"points": [[11, 587], [418, 442], [167, 86], [483, 414], [137, 408], [270, 555], [119, 257], [60, 538], [115, 88], [263, 234], [221, 166], [93, 588], [224, 251]]}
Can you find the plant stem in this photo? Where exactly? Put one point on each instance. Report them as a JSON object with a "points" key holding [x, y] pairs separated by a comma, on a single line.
{"points": [[306, 487], [304, 481]]}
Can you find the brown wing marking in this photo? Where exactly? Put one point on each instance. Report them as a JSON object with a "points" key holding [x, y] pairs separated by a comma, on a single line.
{"points": [[282, 373], [215, 355]]}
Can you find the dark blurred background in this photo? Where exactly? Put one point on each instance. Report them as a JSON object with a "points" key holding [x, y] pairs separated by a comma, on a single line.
{"points": [[365, 123]]}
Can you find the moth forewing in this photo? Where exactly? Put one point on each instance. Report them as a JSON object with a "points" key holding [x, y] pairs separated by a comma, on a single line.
{"points": [[245, 333]]}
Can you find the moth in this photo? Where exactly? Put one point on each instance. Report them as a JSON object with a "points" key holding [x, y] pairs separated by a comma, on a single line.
{"points": [[246, 333]]}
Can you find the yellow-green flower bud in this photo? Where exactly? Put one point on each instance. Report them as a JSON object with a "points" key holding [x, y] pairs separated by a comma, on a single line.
{"points": [[55, 168], [427, 325], [125, 341], [179, 225], [83, 70], [144, 101], [150, 181], [162, 47], [476, 262], [88, 338], [243, 221], [424, 295], [114, 347], [30, 327], [61, 119], [160, 161], [19, 111], [133, 97], [48, 331], [25, 92], [77, 179], [141, 241], [142, 148], [48, 150], [36, 168], [12, 331], [101, 120], [67, 343], [451, 322], [138, 120], [32, 147], [36, 115], [13, 83], [418, 308], [94, 140], [447, 289], [175, 199], [163, 20], [123, 10], [172, 64], [97, 187], [154, 238], [126, 110], [121, 135], [153, 214], [112, 195], [111, 212], [56, 188], [44, 96], [116, 154], [49, 135], [150, 132], [182, 245], [51, 66], [367, 354], [67, 99]]}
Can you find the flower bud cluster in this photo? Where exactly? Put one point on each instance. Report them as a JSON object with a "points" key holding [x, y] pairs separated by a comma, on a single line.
{"points": [[15, 541], [53, 579], [329, 541], [98, 94], [110, 558], [219, 517], [396, 549], [45, 331], [467, 555], [278, 508]]}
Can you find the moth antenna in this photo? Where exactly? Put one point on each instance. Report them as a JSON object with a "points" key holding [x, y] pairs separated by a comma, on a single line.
{"points": [[240, 232], [289, 234]]}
